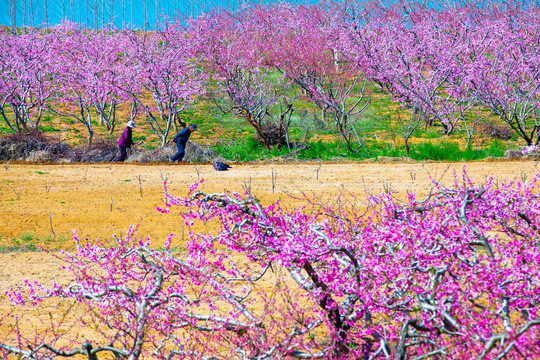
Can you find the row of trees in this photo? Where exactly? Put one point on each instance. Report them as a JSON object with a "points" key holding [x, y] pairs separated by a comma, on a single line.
{"points": [[95, 13], [453, 276], [81, 73], [453, 66]]}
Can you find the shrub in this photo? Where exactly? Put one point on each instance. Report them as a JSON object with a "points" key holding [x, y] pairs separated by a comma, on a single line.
{"points": [[496, 131], [19, 146]]}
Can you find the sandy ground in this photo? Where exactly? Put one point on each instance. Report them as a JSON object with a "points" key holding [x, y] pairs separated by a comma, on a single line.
{"points": [[99, 200], [79, 197], [51, 201]]}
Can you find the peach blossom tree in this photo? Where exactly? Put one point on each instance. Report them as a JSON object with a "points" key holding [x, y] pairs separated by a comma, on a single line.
{"points": [[454, 275]]}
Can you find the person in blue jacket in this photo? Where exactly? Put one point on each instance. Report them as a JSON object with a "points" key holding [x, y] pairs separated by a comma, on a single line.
{"points": [[181, 139]]}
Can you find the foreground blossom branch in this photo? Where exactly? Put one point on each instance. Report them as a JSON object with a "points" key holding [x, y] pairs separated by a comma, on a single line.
{"points": [[86, 350], [454, 275]]}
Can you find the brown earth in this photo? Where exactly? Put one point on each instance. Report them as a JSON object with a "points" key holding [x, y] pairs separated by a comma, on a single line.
{"points": [[99, 200]]}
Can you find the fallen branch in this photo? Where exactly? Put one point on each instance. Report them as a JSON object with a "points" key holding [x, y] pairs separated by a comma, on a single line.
{"points": [[299, 150]]}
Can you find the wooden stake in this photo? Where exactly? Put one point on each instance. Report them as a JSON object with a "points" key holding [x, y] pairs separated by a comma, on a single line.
{"points": [[274, 179], [50, 221], [247, 186], [17, 192], [140, 184], [48, 188]]}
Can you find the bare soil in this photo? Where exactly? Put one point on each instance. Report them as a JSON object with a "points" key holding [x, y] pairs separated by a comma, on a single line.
{"points": [[99, 200]]}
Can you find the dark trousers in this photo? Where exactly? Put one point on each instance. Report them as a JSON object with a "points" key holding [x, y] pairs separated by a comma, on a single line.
{"points": [[123, 153], [180, 154]]}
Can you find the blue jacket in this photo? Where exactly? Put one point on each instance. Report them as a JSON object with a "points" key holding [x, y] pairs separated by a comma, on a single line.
{"points": [[183, 136]]}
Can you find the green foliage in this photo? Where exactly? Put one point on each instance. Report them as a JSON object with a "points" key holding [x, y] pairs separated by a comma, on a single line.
{"points": [[441, 151], [250, 150], [247, 149], [450, 151], [6, 129], [430, 133]]}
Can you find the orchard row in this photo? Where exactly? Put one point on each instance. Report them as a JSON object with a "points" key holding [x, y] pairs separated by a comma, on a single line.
{"points": [[452, 66]]}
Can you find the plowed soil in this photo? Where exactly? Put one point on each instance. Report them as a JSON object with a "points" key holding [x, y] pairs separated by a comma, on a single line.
{"points": [[99, 200]]}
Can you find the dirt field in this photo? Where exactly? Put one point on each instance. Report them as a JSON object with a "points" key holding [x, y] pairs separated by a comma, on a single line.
{"points": [[99, 200]]}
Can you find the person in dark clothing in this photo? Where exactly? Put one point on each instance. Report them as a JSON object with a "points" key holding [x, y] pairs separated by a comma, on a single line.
{"points": [[181, 139], [125, 141]]}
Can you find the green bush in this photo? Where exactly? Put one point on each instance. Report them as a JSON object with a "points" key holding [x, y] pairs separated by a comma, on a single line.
{"points": [[451, 151], [249, 149], [442, 151]]}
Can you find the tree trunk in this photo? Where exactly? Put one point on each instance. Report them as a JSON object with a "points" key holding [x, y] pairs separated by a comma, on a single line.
{"points": [[90, 136]]}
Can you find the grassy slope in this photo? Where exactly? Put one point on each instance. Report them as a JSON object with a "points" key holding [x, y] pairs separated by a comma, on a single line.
{"points": [[232, 137]]}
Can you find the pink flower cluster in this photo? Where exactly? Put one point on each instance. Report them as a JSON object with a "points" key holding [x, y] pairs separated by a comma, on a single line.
{"points": [[530, 149], [455, 275]]}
